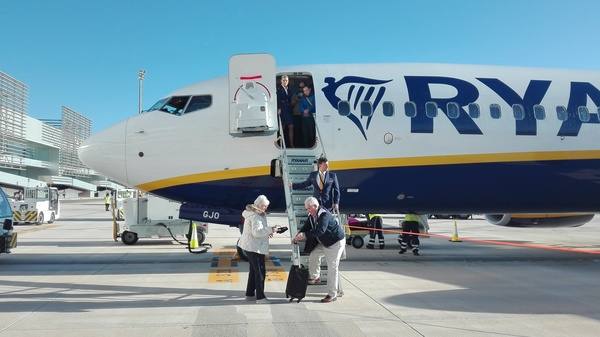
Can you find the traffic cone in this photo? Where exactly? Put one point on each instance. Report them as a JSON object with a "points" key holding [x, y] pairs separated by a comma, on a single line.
{"points": [[194, 239], [455, 237]]}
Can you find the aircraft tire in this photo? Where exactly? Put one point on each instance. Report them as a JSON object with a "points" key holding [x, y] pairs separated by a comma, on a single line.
{"points": [[201, 236], [129, 238], [357, 241]]}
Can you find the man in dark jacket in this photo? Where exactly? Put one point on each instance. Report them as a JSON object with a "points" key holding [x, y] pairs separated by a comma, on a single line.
{"points": [[325, 186], [323, 226]]}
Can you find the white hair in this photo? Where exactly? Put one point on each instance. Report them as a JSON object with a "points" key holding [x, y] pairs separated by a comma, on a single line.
{"points": [[311, 201], [261, 200]]}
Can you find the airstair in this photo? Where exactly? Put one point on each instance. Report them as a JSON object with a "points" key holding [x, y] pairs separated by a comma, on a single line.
{"points": [[297, 164]]}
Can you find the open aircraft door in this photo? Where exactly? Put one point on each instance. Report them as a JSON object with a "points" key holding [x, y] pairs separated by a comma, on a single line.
{"points": [[252, 94]]}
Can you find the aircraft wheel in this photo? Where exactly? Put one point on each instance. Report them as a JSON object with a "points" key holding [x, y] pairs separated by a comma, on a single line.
{"points": [[241, 252], [40, 219], [129, 238], [52, 218], [201, 236], [358, 242]]}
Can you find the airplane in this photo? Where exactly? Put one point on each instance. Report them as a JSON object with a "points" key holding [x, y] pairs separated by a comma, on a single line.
{"points": [[520, 145]]}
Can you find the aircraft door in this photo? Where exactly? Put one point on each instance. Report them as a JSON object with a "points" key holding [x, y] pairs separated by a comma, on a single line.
{"points": [[252, 94]]}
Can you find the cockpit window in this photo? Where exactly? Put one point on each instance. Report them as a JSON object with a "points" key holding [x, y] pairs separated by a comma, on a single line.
{"points": [[175, 105], [158, 104], [198, 103]]}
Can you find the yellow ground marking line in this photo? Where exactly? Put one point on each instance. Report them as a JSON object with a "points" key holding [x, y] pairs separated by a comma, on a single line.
{"points": [[276, 274], [224, 263], [228, 275], [224, 251]]}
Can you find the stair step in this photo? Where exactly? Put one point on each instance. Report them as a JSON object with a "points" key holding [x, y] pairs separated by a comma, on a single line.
{"points": [[298, 199], [300, 160], [300, 169]]}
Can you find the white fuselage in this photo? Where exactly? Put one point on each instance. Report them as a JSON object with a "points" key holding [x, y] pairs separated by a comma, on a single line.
{"points": [[391, 163]]}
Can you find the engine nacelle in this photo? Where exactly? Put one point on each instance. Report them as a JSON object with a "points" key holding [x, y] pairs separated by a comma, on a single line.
{"points": [[540, 220]]}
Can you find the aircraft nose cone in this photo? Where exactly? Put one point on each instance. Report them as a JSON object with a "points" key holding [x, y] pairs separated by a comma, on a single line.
{"points": [[104, 152]]}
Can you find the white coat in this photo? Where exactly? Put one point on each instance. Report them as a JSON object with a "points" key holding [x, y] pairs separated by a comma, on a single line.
{"points": [[255, 235]]}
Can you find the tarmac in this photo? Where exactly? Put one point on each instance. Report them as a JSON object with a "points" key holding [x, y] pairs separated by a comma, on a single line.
{"points": [[71, 279]]}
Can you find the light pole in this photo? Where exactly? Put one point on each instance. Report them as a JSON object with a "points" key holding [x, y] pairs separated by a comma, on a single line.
{"points": [[141, 74]]}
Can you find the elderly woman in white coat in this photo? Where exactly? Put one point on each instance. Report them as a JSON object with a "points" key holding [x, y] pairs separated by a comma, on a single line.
{"points": [[255, 243]]}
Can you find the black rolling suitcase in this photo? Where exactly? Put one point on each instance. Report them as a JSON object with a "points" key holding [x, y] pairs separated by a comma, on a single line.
{"points": [[296, 283]]}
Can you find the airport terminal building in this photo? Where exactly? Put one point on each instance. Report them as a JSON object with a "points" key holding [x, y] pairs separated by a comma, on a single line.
{"points": [[42, 152]]}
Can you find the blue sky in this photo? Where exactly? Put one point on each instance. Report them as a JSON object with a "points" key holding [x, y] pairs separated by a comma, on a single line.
{"points": [[86, 54]]}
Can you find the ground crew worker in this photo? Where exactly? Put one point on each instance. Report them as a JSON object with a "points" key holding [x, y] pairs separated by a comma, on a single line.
{"points": [[410, 225], [375, 222], [107, 201]]}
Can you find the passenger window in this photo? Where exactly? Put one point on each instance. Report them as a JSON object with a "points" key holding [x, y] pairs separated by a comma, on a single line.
{"points": [[366, 108], [453, 110], [343, 108], [561, 113], [199, 103], [474, 110], [410, 109], [495, 111], [431, 109], [584, 113], [175, 105], [388, 109], [518, 112], [539, 112]]}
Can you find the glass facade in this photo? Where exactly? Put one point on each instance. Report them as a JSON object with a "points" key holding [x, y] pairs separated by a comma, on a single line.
{"points": [[75, 129], [13, 111]]}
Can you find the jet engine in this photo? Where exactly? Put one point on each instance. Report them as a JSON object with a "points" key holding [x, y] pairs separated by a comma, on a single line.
{"points": [[540, 220]]}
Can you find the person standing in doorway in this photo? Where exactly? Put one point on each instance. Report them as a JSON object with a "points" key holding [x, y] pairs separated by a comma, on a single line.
{"points": [[307, 106], [284, 109]]}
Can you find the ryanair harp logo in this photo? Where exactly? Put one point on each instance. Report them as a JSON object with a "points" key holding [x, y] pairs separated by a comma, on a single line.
{"points": [[355, 90]]}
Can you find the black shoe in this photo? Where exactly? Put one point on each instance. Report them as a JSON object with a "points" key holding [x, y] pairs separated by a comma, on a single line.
{"points": [[416, 252], [328, 299], [381, 246], [402, 251], [370, 246]]}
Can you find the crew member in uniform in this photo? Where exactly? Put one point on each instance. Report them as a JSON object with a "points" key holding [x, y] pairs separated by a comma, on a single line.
{"points": [[325, 186], [284, 110]]}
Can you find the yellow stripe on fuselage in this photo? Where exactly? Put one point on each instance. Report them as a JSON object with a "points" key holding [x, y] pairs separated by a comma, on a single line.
{"points": [[342, 165], [464, 159], [207, 176]]}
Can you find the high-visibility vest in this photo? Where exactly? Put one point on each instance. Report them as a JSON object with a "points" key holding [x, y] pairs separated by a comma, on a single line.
{"points": [[371, 216], [107, 199], [411, 217]]}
